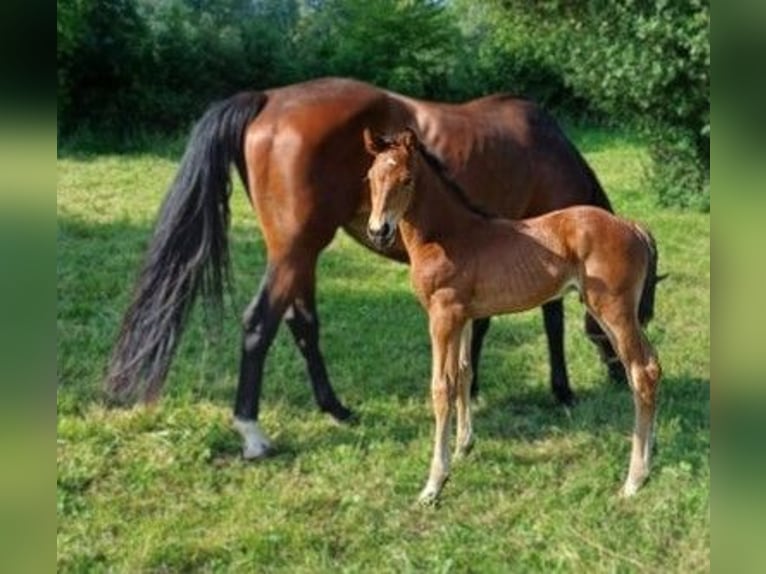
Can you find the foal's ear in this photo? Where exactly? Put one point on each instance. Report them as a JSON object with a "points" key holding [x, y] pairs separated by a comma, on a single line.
{"points": [[408, 139], [374, 144]]}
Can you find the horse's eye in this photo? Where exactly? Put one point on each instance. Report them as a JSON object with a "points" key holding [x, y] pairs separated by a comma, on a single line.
{"points": [[407, 181]]}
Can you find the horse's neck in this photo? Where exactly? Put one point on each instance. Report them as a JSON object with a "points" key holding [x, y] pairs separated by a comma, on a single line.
{"points": [[435, 213]]}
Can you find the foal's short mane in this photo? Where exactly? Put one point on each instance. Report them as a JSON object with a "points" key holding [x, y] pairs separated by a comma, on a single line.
{"points": [[457, 191], [441, 171]]}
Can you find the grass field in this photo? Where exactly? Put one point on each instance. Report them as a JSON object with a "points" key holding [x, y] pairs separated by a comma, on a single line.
{"points": [[164, 489]]}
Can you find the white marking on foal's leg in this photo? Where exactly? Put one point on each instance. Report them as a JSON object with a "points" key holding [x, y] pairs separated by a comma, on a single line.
{"points": [[256, 443], [440, 461], [439, 468]]}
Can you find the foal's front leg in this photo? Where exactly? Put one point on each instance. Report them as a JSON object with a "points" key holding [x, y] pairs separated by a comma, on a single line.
{"points": [[464, 440], [445, 348]]}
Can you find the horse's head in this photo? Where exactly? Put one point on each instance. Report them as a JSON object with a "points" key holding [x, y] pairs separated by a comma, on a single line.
{"points": [[391, 182]]}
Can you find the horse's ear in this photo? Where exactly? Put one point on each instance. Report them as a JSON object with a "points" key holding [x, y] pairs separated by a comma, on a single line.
{"points": [[374, 144]]}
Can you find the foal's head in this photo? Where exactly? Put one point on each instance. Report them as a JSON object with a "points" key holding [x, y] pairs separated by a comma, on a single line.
{"points": [[391, 182]]}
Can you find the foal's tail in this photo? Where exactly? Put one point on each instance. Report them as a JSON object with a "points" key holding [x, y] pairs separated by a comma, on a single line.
{"points": [[188, 253], [646, 304]]}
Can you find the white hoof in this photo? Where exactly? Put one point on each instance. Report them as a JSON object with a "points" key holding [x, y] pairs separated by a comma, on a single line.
{"points": [[630, 488], [428, 497], [256, 444], [430, 494]]}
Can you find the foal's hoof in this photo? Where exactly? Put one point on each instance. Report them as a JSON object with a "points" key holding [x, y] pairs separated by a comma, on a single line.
{"points": [[631, 486], [428, 498], [462, 451]]}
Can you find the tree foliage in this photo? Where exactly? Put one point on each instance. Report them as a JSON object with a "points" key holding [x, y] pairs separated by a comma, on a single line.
{"points": [[127, 65]]}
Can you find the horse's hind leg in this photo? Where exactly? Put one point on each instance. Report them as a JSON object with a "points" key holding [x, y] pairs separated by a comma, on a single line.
{"points": [[303, 321], [553, 319], [260, 323]]}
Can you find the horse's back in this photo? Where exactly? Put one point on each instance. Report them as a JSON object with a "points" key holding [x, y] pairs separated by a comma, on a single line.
{"points": [[306, 160], [508, 153]]}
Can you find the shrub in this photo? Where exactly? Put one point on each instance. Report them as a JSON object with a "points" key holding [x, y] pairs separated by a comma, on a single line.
{"points": [[639, 62], [648, 63]]}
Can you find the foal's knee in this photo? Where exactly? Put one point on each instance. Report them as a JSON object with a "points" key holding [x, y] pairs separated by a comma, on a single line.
{"points": [[465, 373], [442, 395]]}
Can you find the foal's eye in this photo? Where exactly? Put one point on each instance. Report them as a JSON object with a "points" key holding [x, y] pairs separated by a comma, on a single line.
{"points": [[407, 181]]}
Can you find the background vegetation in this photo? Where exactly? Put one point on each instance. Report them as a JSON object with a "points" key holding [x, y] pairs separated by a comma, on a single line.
{"points": [[127, 67]]}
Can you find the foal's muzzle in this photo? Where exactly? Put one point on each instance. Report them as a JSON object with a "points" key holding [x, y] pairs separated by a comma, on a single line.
{"points": [[383, 236]]}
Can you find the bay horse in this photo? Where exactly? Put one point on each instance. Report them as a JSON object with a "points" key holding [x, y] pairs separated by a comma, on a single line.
{"points": [[299, 152], [466, 266]]}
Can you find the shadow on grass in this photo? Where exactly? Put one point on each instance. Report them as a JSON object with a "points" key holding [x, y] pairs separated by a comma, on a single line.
{"points": [[683, 407]]}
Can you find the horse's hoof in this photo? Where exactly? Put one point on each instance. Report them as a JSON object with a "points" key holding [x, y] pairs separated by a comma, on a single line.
{"points": [[566, 398], [253, 452], [343, 416], [256, 444]]}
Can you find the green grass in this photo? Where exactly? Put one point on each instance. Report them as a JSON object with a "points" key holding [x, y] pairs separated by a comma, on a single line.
{"points": [[164, 488]]}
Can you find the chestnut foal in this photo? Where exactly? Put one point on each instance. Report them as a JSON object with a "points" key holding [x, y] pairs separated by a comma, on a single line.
{"points": [[466, 265]]}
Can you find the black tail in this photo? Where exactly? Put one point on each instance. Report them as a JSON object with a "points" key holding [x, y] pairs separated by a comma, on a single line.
{"points": [[188, 253], [646, 304]]}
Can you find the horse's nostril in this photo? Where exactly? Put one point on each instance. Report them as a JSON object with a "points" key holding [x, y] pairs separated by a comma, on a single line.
{"points": [[384, 230]]}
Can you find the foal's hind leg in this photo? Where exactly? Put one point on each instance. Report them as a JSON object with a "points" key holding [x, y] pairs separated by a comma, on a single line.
{"points": [[643, 368], [608, 356]]}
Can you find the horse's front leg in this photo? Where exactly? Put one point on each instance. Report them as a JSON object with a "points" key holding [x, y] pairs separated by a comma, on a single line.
{"points": [[445, 343], [553, 320], [479, 328]]}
